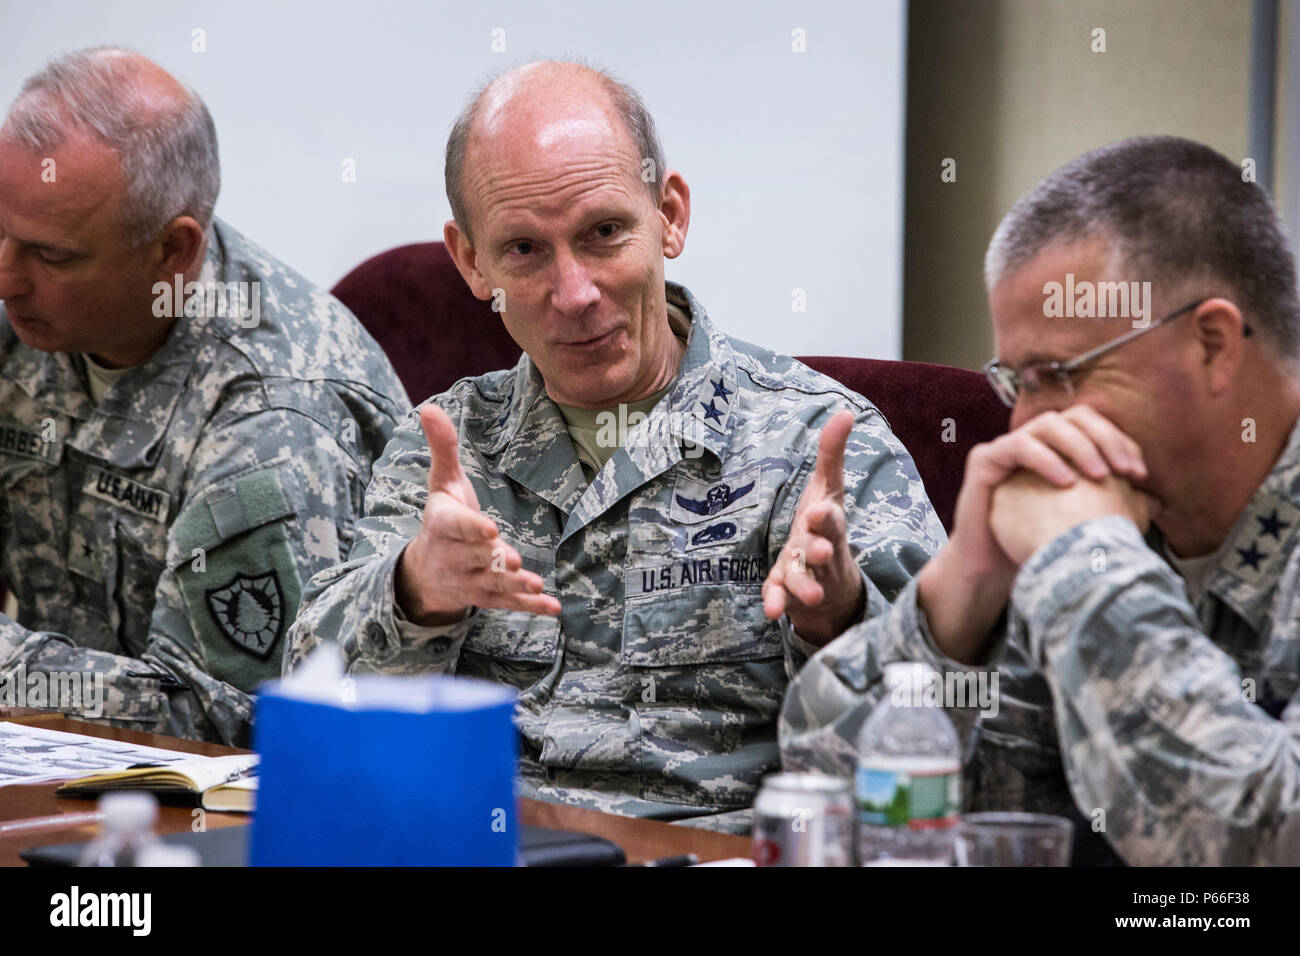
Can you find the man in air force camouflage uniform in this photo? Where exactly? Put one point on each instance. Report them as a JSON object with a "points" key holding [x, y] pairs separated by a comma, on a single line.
{"points": [[1148, 688], [651, 600], [167, 484]]}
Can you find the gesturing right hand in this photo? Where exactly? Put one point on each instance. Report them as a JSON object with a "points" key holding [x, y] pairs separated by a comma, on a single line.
{"points": [[458, 560]]}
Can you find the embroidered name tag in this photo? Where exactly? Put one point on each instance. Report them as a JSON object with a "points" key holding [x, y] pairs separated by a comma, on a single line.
{"points": [[721, 569], [26, 441], [125, 493]]}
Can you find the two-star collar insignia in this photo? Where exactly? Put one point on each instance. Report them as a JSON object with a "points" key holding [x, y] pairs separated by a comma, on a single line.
{"points": [[1261, 544]]}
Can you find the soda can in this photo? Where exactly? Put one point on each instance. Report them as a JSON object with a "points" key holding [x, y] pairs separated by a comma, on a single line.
{"points": [[803, 819]]}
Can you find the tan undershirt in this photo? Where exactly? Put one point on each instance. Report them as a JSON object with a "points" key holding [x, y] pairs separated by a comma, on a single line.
{"points": [[595, 432], [101, 379], [1195, 571]]}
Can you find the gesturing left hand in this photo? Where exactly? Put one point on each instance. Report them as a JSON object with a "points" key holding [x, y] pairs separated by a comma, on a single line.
{"points": [[815, 579]]}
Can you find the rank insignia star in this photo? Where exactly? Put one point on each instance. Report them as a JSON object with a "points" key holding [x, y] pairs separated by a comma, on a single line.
{"points": [[1272, 525], [711, 411], [719, 391], [1251, 556]]}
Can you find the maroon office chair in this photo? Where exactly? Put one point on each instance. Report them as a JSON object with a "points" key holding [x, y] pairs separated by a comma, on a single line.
{"points": [[938, 412], [420, 311], [417, 306]]}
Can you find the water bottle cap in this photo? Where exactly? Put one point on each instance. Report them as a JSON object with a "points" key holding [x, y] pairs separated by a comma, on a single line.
{"points": [[129, 810], [161, 854]]}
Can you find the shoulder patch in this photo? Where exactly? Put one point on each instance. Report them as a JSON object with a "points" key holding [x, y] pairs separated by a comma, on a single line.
{"points": [[249, 611]]}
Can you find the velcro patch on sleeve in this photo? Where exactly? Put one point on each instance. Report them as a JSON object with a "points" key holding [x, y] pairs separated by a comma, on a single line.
{"points": [[241, 603]]}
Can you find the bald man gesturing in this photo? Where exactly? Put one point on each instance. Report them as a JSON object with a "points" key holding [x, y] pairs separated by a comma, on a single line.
{"points": [[635, 526]]}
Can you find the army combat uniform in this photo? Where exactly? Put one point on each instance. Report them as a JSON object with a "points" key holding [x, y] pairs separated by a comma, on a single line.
{"points": [[656, 691], [1168, 730], [160, 537]]}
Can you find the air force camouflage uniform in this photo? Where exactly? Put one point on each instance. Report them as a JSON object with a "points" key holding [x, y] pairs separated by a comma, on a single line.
{"points": [[167, 529], [1170, 731], [656, 691]]}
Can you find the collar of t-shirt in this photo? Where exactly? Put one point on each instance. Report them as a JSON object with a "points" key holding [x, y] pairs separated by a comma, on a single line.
{"points": [[1195, 571], [590, 429], [100, 379]]}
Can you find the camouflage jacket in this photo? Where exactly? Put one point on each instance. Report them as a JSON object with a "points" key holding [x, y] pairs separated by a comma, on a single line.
{"points": [[160, 537], [656, 691], [1169, 731]]}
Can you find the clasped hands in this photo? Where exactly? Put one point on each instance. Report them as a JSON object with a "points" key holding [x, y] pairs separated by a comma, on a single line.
{"points": [[1021, 491]]}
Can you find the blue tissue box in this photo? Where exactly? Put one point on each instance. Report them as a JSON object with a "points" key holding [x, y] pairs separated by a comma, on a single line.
{"points": [[417, 772]]}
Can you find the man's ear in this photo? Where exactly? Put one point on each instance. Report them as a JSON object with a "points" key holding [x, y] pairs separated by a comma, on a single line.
{"points": [[179, 249], [461, 250], [1221, 342], [674, 214]]}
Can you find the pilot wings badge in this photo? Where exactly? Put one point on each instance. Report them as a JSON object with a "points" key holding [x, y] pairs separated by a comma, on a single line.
{"points": [[718, 498]]}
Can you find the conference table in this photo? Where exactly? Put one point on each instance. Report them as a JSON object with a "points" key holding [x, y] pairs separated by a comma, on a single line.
{"points": [[641, 840]]}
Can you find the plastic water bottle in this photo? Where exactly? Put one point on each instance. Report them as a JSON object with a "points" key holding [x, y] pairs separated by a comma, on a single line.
{"points": [[127, 830], [908, 783]]}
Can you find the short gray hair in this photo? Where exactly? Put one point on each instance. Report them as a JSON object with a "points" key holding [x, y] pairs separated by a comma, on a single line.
{"points": [[627, 103], [169, 156], [1172, 208]]}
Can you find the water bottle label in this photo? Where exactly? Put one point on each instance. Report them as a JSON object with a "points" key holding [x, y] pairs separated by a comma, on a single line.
{"points": [[898, 798]]}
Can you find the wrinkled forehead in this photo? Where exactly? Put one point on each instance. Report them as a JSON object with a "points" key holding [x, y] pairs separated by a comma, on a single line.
{"points": [[547, 158], [518, 127], [1067, 299], [1069, 294], [69, 187]]}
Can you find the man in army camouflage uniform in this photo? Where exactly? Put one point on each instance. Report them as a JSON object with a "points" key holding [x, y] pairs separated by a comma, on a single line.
{"points": [[1148, 686], [186, 425], [648, 585]]}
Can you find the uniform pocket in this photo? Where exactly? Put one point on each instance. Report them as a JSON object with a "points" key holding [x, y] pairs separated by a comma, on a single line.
{"points": [[701, 624], [138, 572], [515, 647], [707, 680]]}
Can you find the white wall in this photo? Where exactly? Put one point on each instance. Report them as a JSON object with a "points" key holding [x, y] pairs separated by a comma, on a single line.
{"points": [[794, 159]]}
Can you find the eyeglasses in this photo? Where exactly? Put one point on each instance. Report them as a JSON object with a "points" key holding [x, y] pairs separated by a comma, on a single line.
{"points": [[1058, 376]]}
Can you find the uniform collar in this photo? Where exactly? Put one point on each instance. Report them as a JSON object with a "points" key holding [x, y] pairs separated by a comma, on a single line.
{"points": [[704, 394], [696, 409], [1260, 544], [49, 378], [530, 434]]}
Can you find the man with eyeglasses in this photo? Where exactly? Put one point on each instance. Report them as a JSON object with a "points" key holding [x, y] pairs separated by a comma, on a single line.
{"points": [[1126, 557]]}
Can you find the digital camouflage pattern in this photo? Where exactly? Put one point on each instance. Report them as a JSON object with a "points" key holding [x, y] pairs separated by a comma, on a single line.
{"points": [[1170, 731], [161, 536], [656, 691]]}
